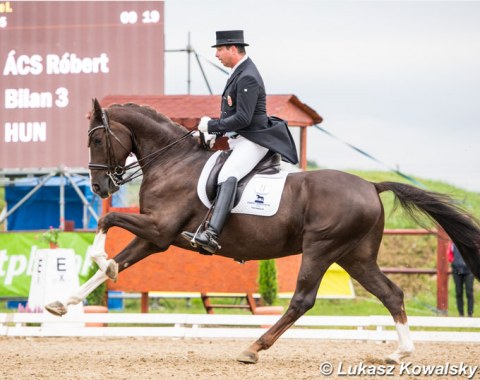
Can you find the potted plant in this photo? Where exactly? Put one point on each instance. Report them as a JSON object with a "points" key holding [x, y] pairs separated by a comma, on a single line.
{"points": [[96, 301], [51, 237], [268, 288]]}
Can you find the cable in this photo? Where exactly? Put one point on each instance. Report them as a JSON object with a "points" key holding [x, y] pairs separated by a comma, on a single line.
{"points": [[362, 152]]}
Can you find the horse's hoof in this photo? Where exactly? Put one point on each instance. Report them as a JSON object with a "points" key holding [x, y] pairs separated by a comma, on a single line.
{"points": [[56, 308], [248, 357], [397, 356], [112, 270], [392, 360]]}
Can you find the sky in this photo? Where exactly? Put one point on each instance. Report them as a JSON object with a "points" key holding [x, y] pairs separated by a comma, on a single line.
{"points": [[397, 79]]}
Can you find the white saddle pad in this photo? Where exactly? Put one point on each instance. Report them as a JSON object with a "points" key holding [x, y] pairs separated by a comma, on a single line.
{"points": [[261, 196]]}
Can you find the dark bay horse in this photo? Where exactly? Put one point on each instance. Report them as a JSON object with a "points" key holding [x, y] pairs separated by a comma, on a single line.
{"points": [[327, 215]]}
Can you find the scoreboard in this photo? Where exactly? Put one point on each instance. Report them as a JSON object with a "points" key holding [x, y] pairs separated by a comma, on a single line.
{"points": [[55, 56]]}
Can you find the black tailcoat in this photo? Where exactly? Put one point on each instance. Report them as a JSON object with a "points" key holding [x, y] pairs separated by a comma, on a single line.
{"points": [[244, 110]]}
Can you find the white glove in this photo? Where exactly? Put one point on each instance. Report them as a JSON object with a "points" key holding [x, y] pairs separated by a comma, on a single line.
{"points": [[203, 125], [209, 139]]}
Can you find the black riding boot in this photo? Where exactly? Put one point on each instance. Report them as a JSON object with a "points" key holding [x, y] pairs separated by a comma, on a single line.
{"points": [[208, 239]]}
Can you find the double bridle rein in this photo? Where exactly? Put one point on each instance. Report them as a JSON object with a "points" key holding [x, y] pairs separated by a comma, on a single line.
{"points": [[116, 171]]}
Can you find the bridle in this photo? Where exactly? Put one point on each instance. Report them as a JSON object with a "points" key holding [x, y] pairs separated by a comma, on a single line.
{"points": [[113, 169]]}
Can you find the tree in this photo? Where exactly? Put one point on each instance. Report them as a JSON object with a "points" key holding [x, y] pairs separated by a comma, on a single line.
{"points": [[267, 281]]}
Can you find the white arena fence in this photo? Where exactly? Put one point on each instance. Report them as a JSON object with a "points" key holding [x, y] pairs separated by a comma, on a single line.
{"points": [[376, 328]]}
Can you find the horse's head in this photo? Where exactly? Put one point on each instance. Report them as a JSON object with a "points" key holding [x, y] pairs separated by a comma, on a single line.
{"points": [[110, 143]]}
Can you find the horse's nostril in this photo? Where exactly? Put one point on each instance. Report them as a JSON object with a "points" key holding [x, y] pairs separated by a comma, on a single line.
{"points": [[96, 188]]}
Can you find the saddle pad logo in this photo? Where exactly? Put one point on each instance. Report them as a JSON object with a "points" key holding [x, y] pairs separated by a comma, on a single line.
{"points": [[262, 191], [260, 199]]}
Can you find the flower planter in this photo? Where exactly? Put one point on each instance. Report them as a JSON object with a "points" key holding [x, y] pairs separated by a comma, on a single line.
{"points": [[268, 310], [95, 309]]}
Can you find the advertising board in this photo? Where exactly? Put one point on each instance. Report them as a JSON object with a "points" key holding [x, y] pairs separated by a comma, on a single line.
{"points": [[55, 56], [17, 252]]}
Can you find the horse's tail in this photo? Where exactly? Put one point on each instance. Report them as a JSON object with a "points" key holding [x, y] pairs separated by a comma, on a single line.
{"points": [[462, 228]]}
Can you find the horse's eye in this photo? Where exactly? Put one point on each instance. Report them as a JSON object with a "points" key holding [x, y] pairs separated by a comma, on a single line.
{"points": [[97, 141]]}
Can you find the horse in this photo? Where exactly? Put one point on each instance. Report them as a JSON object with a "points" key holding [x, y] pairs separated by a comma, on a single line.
{"points": [[328, 216]]}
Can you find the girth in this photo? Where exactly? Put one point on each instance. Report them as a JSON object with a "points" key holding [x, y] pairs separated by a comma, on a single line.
{"points": [[270, 164]]}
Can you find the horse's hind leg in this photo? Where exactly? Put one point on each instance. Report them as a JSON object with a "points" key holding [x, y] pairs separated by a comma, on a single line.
{"points": [[369, 275], [312, 269]]}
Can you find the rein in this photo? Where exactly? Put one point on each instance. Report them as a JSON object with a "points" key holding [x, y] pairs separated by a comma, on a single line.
{"points": [[116, 171]]}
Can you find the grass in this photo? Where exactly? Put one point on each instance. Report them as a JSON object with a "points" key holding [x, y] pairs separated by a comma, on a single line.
{"points": [[2, 205], [420, 304], [467, 200]]}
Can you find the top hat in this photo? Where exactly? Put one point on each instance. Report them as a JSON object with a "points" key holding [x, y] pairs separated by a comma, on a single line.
{"points": [[230, 37]]}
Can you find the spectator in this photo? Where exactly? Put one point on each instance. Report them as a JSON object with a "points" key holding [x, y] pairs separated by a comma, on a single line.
{"points": [[463, 277]]}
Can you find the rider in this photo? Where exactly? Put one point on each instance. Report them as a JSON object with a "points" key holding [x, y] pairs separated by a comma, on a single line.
{"points": [[251, 133]]}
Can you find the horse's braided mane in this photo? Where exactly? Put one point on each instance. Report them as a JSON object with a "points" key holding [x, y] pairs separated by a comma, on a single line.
{"points": [[149, 112]]}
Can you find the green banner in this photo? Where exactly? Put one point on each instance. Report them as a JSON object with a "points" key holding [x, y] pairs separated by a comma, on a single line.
{"points": [[17, 254]]}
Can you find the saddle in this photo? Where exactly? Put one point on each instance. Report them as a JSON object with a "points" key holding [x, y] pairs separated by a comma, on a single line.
{"points": [[270, 164]]}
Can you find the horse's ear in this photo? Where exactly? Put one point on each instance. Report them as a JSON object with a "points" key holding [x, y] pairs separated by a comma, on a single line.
{"points": [[96, 109]]}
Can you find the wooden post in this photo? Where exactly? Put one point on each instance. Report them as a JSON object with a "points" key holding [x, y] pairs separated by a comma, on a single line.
{"points": [[442, 271], [251, 302], [106, 204], [144, 304], [206, 303], [303, 148], [69, 226]]}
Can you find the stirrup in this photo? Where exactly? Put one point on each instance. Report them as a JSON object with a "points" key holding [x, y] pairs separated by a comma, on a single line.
{"points": [[212, 246], [207, 248], [190, 236]]}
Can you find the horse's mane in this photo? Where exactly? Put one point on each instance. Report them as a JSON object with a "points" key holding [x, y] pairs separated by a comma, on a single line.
{"points": [[149, 112], [159, 117]]}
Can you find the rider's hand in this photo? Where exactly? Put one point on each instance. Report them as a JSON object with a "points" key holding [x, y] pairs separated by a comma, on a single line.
{"points": [[209, 139], [203, 125]]}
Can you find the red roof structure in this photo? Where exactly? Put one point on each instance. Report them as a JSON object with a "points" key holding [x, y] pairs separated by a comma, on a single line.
{"points": [[188, 109]]}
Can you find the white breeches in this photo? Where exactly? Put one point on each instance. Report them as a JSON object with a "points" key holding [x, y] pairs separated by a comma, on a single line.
{"points": [[244, 157]]}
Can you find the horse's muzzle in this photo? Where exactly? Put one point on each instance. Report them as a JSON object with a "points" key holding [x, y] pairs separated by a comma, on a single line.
{"points": [[105, 189]]}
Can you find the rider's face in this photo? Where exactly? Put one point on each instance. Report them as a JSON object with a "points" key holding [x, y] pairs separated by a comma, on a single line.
{"points": [[226, 55]]}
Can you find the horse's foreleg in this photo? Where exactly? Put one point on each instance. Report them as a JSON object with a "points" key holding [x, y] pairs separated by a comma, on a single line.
{"points": [[108, 269], [145, 226], [60, 308], [98, 254], [135, 251], [140, 225], [152, 234]]}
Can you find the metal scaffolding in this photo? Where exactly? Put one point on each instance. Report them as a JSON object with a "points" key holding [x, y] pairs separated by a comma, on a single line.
{"points": [[10, 176]]}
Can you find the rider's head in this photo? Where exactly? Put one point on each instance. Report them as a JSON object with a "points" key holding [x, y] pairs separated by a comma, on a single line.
{"points": [[230, 47]]}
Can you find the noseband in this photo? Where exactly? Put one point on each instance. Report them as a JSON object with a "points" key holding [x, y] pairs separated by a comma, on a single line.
{"points": [[113, 169]]}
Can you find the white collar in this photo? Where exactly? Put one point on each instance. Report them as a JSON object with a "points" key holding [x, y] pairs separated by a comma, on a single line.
{"points": [[245, 57]]}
